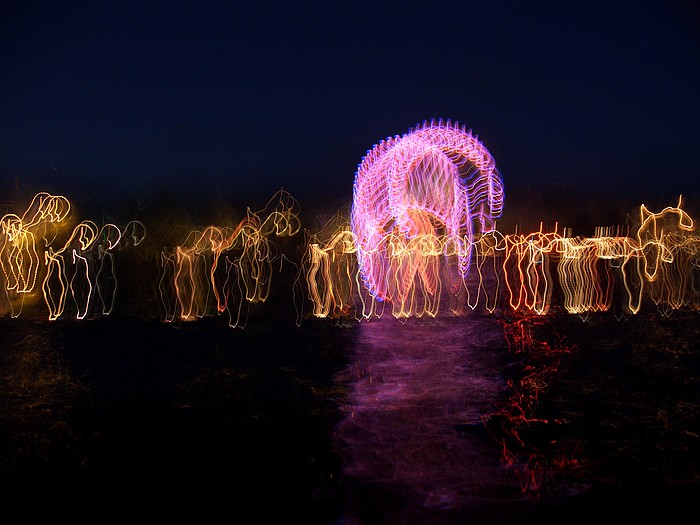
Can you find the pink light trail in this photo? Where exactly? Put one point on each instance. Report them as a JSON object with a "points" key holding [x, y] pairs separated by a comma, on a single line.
{"points": [[436, 180]]}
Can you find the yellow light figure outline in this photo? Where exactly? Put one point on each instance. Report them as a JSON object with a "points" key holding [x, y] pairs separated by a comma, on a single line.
{"points": [[651, 235], [526, 270], [20, 263], [196, 261], [85, 234]]}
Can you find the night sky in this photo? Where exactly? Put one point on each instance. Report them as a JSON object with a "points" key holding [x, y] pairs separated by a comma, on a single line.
{"points": [[575, 100]]}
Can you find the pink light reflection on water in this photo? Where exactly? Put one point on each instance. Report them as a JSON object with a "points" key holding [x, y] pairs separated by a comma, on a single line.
{"points": [[411, 387]]}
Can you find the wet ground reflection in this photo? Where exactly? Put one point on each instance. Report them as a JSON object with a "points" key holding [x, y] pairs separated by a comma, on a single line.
{"points": [[414, 443], [528, 419], [457, 420]]}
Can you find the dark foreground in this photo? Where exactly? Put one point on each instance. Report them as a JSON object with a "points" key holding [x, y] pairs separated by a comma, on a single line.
{"points": [[462, 420]]}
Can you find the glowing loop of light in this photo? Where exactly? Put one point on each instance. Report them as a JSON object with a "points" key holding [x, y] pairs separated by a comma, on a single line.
{"points": [[437, 179]]}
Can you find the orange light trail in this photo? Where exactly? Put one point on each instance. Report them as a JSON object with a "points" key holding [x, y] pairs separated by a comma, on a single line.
{"points": [[224, 269], [82, 269], [526, 273], [329, 268], [19, 259], [57, 282], [249, 253]]}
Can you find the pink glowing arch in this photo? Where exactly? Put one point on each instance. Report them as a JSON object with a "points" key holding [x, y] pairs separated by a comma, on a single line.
{"points": [[437, 176]]}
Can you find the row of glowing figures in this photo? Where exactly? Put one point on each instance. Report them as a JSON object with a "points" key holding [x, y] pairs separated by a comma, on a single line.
{"points": [[80, 267], [662, 255]]}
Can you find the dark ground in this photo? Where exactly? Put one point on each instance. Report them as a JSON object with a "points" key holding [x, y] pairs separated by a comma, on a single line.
{"points": [[139, 419]]}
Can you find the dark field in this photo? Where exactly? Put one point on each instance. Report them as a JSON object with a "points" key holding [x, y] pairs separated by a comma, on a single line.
{"points": [[476, 419]]}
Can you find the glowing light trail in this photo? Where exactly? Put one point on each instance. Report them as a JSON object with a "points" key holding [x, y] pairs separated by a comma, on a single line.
{"points": [[526, 273], [83, 265], [437, 180], [194, 271], [419, 258], [57, 283], [19, 259]]}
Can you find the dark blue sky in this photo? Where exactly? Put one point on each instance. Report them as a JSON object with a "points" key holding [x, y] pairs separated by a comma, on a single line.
{"points": [[574, 98]]}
